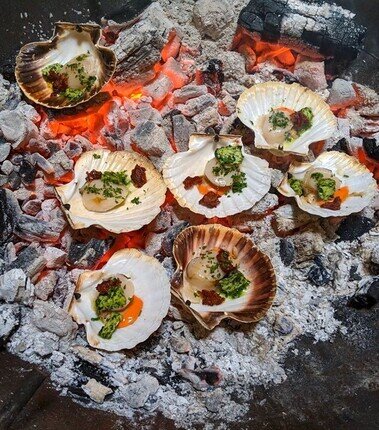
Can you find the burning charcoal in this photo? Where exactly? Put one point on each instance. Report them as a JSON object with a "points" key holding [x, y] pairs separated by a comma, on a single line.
{"points": [[73, 149], [33, 229], [207, 119], [314, 28], [45, 286], [212, 17], [159, 88], [353, 227], [151, 139], [27, 172], [16, 129], [55, 257], [162, 222], [9, 320], [211, 74], [31, 207], [96, 391], [146, 113], [138, 46], [286, 251], [310, 73], [14, 180], [317, 274], [62, 164], [283, 325], [30, 261], [5, 149], [42, 163], [199, 104], [9, 212], [15, 286], [137, 393], [174, 72], [371, 147], [182, 129], [170, 236], [342, 93], [85, 255], [51, 318], [153, 244], [7, 167], [188, 92]]}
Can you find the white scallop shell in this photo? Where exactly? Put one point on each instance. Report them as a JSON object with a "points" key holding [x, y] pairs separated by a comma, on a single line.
{"points": [[261, 98], [125, 217], [351, 173], [151, 285], [192, 163], [256, 266]]}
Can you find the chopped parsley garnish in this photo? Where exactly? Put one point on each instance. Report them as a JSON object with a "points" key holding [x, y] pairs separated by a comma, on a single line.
{"points": [[109, 189], [297, 186], [239, 182], [233, 285], [317, 176], [229, 155], [326, 188], [278, 119], [114, 299], [73, 95], [136, 201], [117, 178], [56, 68], [110, 325], [96, 156]]}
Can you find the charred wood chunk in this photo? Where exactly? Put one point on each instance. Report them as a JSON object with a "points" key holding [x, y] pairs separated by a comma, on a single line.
{"points": [[27, 172], [210, 200], [211, 74], [9, 213], [138, 176], [371, 147], [317, 28], [353, 227]]}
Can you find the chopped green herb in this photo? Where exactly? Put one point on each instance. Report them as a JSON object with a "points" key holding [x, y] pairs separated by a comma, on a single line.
{"points": [[239, 182], [233, 285], [136, 201], [81, 57], [230, 155], [96, 156], [326, 188], [297, 186], [95, 319], [56, 67], [117, 178], [73, 95], [317, 176], [307, 112], [110, 325], [114, 299], [278, 119]]}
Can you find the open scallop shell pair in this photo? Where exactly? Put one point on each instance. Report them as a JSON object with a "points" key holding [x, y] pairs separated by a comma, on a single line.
{"points": [[255, 265], [69, 41], [347, 170], [126, 217], [192, 163], [150, 284], [258, 100]]}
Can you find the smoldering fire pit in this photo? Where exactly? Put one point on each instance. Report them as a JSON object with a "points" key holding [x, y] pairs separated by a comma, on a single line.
{"points": [[181, 67]]}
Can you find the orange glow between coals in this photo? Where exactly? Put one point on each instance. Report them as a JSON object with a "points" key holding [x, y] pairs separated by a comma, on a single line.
{"points": [[131, 313]]}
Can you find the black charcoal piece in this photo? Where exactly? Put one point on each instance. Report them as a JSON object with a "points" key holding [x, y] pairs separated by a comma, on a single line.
{"points": [[9, 213], [27, 172], [371, 147], [341, 146], [366, 300], [353, 227], [85, 255], [286, 251], [316, 27], [318, 275]]}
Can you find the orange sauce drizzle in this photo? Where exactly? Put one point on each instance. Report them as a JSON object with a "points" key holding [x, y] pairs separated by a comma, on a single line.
{"points": [[131, 313], [205, 187], [342, 193]]}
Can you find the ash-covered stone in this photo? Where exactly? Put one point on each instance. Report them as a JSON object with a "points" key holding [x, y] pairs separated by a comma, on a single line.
{"points": [[15, 286], [85, 255], [5, 149], [96, 391], [211, 17], [342, 93], [15, 128], [44, 288], [137, 393], [51, 318], [353, 227]]}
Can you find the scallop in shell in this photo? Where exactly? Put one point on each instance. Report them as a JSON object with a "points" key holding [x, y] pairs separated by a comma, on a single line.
{"points": [[72, 49], [136, 206], [151, 286], [255, 104], [355, 182], [194, 242], [197, 161]]}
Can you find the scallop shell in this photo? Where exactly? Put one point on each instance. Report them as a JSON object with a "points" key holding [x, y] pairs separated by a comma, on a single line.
{"points": [[261, 98], [348, 170], [125, 217], [151, 284], [256, 266], [192, 163], [69, 41]]}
